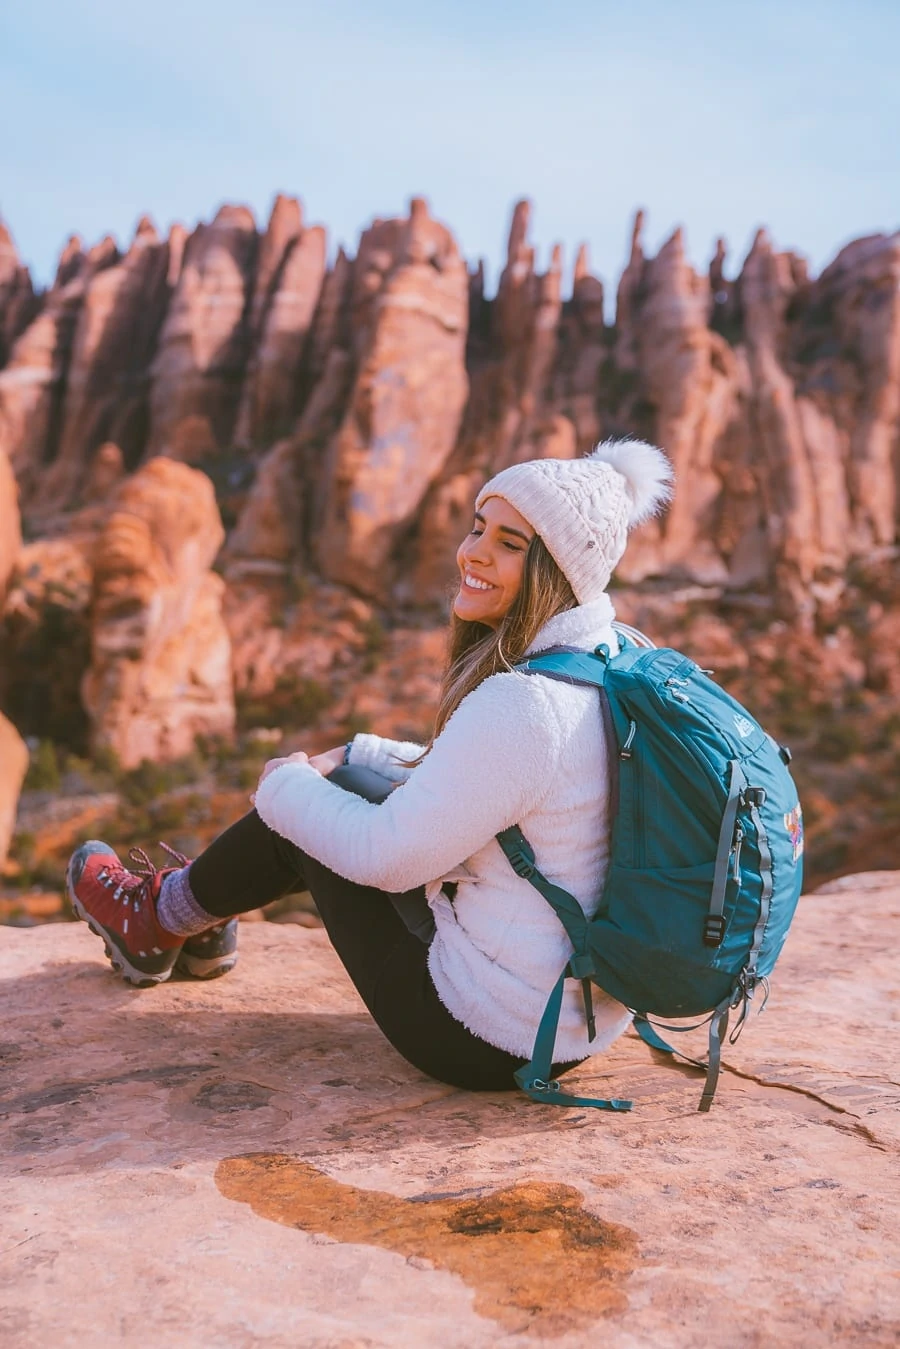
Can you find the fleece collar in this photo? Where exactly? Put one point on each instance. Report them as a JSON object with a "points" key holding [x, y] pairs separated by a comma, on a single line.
{"points": [[582, 627]]}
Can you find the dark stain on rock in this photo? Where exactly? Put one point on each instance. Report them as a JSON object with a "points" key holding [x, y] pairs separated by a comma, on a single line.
{"points": [[226, 1097], [535, 1259], [70, 1093]]}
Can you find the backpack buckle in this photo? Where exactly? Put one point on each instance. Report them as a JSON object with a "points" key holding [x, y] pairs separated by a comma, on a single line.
{"points": [[754, 796], [538, 1084], [521, 864], [713, 929]]}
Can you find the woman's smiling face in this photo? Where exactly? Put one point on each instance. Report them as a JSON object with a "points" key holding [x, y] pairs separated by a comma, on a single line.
{"points": [[491, 561]]}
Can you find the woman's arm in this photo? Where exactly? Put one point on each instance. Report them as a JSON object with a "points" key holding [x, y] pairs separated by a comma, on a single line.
{"points": [[387, 757], [493, 762]]}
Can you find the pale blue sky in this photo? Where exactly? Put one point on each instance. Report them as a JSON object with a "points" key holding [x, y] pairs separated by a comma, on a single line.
{"points": [[720, 117]]}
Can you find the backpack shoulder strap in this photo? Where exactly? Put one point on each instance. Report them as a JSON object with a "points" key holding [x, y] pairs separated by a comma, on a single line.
{"points": [[520, 855], [569, 665]]}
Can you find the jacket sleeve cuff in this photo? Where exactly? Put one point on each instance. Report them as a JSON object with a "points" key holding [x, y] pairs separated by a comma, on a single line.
{"points": [[384, 756]]}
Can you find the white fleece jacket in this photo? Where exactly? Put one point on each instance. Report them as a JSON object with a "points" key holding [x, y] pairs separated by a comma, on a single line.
{"points": [[520, 749]]}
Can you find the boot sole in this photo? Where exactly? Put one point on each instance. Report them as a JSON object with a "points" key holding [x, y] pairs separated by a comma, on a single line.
{"points": [[198, 968], [137, 978]]}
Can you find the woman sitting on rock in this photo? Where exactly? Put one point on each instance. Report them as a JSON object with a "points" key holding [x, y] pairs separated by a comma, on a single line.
{"points": [[452, 952]]}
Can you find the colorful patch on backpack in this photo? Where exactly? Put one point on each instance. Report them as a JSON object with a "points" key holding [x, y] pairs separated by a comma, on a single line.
{"points": [[793, 823]]}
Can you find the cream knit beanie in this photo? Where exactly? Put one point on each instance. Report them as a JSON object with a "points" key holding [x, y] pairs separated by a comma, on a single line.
{"points": [[583, 508]]}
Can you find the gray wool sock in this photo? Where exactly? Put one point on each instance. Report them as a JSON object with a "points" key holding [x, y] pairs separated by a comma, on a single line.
{"points": [[177, 909]]}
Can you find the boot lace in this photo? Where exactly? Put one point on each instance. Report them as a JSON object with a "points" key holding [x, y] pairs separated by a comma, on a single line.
{"points": [[144, 868]]}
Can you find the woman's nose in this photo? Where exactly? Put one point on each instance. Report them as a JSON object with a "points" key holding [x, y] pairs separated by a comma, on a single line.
{"points": [[476, 550]]}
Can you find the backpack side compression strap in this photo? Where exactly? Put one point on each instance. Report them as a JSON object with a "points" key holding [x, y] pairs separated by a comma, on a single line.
{"points": [[534, 1078], [718, 1025]]}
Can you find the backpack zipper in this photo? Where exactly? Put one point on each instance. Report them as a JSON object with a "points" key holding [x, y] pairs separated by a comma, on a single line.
{"points": [[638, 852], [699, 758]]}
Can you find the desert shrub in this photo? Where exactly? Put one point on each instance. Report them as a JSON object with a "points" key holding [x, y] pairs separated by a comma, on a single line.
{"points": [[43, 768], [150, 780], [358, 723], [831, 855], [21, 848], [295, 702], [34, 872], [238, 762], [374, 639], [44, 661], [839, 740]]}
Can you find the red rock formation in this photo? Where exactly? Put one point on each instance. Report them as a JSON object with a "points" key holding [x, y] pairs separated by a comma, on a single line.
{"points": [[10, 528], [33, 380], [350, 416], [858, 298], [410, 299], [525, 319], [269, 532], [583, 353], [288, 285], [115, 336], [13, 752], [689, 377], [18, 302], [13, 767], [202, 351], [777, 395], [160, 669], [105, 471], [285, 227], [767, 286], [510, 415], [627, 298]]}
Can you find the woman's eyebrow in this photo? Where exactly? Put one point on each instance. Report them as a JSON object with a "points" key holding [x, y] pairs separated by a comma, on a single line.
{"points": [[506, 529]]}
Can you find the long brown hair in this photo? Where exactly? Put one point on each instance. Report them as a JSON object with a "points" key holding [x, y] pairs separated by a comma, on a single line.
{"points": [[475, 651]]}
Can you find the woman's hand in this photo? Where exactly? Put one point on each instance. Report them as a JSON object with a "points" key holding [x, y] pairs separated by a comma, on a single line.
{"points": [[298, 757], [326, 763]]}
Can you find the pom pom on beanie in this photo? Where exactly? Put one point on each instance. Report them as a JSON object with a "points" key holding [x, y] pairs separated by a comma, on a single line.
{"points": [[647, 472], [583, 508]]}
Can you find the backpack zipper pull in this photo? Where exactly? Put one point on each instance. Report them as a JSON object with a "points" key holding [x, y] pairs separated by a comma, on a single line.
{"points": [[738, 840]]}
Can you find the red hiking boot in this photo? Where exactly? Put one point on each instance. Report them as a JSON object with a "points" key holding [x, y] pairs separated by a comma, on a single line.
{"points": [[120, 906], [210, 954]]}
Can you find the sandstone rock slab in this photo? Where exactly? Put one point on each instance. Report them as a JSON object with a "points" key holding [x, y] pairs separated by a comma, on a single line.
{"points": [[249, 1162]]}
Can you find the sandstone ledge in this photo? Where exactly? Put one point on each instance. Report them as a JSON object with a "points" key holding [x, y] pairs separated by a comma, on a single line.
{"points": [[249, 1163]]}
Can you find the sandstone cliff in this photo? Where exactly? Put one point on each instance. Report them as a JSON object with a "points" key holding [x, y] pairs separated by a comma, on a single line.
{"points": [[160, 671], [346, 411], [13, 753], [399, 384]]}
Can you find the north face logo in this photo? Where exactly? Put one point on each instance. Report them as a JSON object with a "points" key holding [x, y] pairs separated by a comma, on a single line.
{"points": [[745, 728]]}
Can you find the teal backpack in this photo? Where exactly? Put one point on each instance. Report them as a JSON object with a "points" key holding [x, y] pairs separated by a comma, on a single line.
{"points": [[705, 865]]}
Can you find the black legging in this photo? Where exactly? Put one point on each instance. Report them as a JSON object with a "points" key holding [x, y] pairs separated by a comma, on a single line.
{"points": [[250, 865]]}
